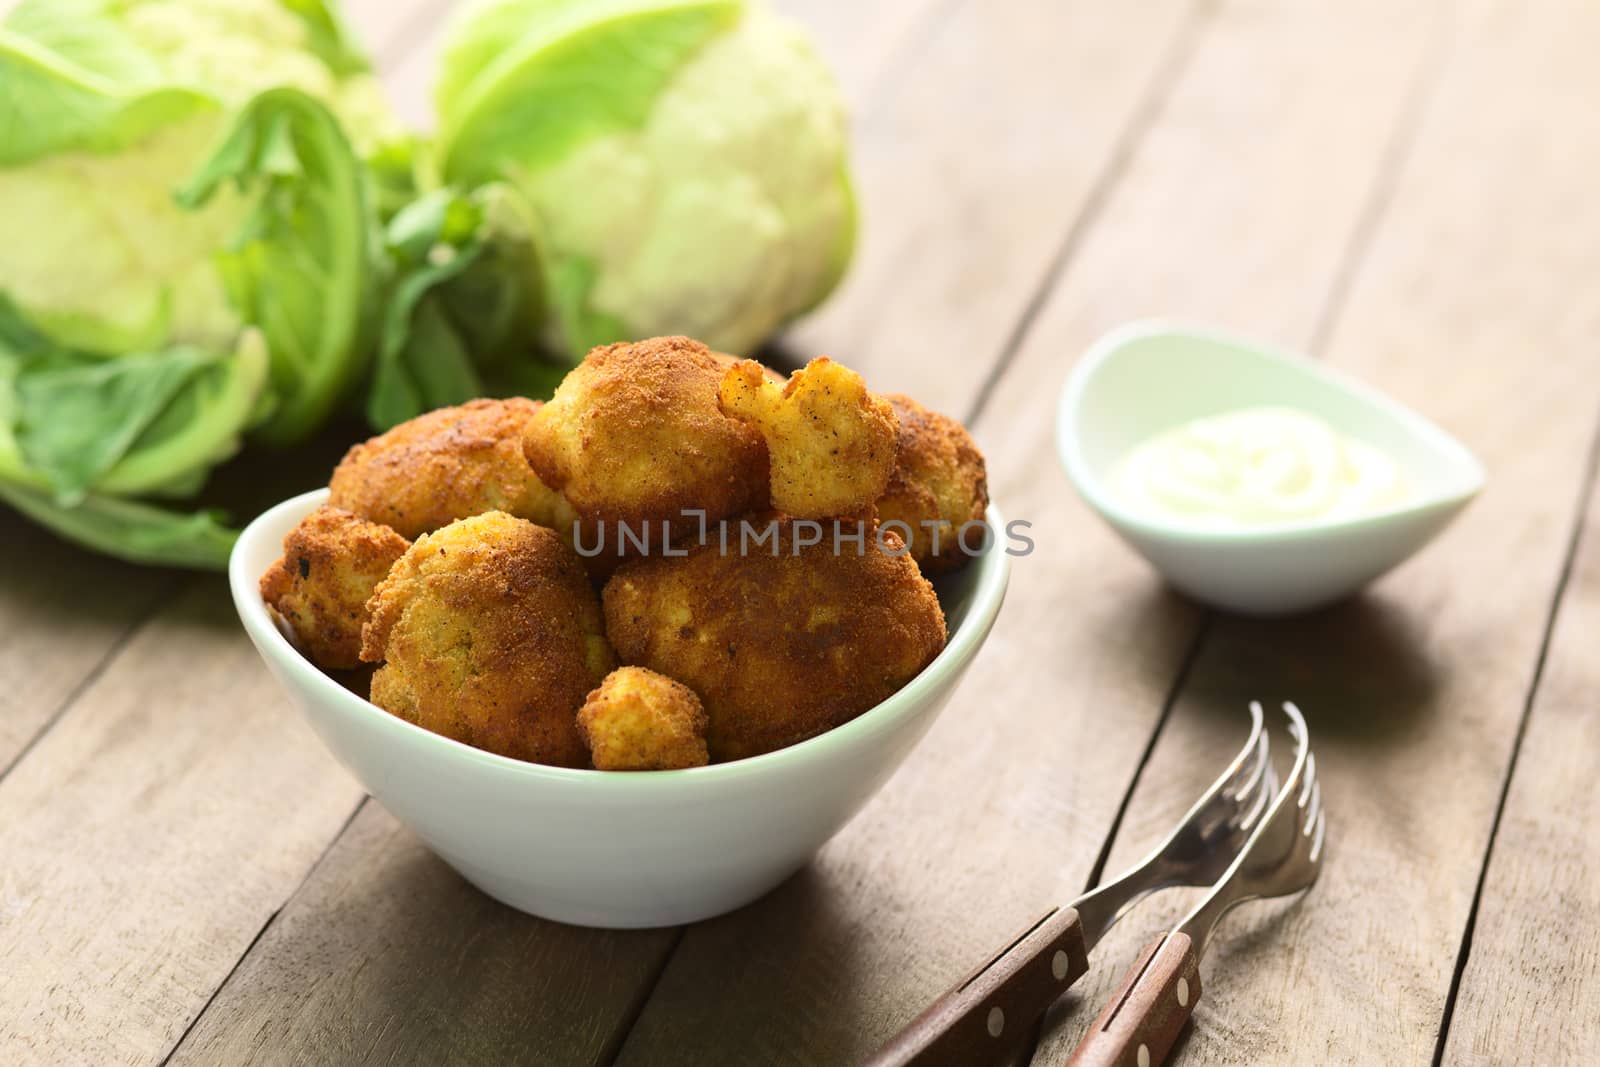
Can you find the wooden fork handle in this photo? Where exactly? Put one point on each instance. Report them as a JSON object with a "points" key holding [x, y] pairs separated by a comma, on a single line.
{"points": [[1144, 1017], [990, 1013]]}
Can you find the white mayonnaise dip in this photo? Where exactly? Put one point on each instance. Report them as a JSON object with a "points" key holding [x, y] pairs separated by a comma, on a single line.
{"points": [[1261, 466]]}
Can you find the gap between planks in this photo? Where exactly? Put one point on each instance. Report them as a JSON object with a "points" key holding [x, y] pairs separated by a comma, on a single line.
{"points": [[177, 1045], [1176, 53], [848, 859], [1176, 56], [1586, 491], [1419, 96], [162, 598], [1539, 613]]}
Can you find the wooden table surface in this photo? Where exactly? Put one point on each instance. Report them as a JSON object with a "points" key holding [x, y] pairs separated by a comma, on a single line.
{"points": [[1406, 190]]}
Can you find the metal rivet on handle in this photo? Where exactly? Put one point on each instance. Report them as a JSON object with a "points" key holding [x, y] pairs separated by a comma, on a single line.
{"points": [[1144, 1056], [1058, 964], [997, 1022], [1183, 992]]}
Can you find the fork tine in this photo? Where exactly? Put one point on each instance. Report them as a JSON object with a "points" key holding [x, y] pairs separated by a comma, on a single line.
{"points": [[1259, 805], [1308, 780], [1298, 788], [1283, 825], [1313, 808], [1196, 851], [1256, 808], [1255, 768], [1297, 722], [1260, 765], [1277, 858], [1253, 754], [1233, 790], [1203, 847]]}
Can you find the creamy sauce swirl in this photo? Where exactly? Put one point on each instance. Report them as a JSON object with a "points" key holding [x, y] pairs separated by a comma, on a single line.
{"points": [[1259, 466]]}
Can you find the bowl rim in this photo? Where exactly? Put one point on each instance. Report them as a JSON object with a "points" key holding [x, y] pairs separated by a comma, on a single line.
{"points": [[988, 593], [1087, 481]]}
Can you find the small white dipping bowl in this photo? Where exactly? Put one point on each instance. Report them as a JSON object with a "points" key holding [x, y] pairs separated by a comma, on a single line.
{"points": [[618, 849], [1149, 377]]}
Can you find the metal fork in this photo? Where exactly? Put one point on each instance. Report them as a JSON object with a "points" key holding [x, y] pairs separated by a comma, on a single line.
{"points": [[986, 1017], [1141, 1021]]}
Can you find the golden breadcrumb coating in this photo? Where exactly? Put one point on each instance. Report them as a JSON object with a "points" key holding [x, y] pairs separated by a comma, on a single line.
{"points": [[331, 563], [830, 441], [490, 633], [633, 435], [638, 720], [446, 465], [938, 477], [779, 647]]}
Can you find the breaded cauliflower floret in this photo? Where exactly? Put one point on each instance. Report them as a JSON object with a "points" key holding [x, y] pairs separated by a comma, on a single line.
{"points": [[639, 720], [331, 563], [633, 436], [490, 633], [782, 640], [447, 465], [830, 441], [938, 485]]}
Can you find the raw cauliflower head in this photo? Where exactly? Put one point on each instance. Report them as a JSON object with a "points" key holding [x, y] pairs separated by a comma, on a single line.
{"points": [[99, 255], [685, 163]]}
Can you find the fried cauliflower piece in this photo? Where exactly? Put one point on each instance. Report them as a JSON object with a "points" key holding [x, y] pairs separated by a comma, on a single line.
{"points": [[639, 720], [447, 465], [939, 484], [633, 435], [783, 640], [331, 562], [490, 633], [830, 441]]}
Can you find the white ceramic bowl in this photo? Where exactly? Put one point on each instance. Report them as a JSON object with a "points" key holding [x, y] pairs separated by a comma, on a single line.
{"points": [[618, 849], [1149, 377]]}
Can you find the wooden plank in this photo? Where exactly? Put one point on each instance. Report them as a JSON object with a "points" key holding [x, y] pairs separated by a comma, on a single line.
{"points": [[438, 971], [867, 45], [388, 29], [403, 39], [148, 837], [409, 64], [1531, 989], [971, 170], [1415, 690], [63, 612], [1238, 205]]}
